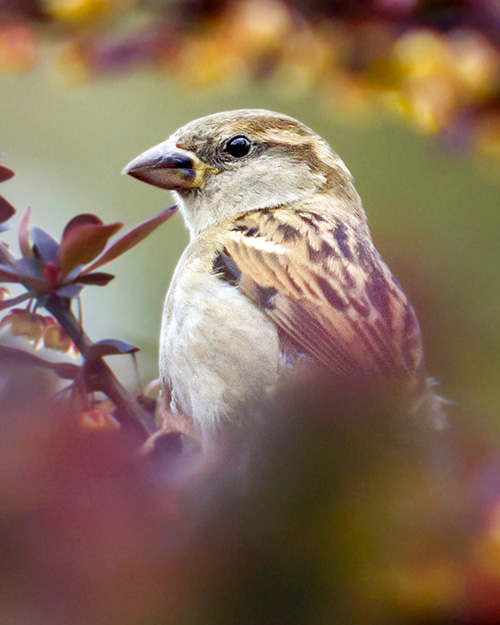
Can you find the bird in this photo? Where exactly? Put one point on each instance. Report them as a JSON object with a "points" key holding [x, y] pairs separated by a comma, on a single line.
{"points": [[280, 276]]}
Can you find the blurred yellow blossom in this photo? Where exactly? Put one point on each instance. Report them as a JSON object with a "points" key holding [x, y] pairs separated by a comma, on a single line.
{"points": [[360, 58], [24, 323], [423, 53], [429, 102], [476, 63], [38, 329], [54, 337], [72, 64], [307, 58], [205, 60], [256, 25], [81, 11]]}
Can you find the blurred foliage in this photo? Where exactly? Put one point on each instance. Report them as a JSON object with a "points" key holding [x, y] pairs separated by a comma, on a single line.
{"points": [[337, 511], [436, 62]]}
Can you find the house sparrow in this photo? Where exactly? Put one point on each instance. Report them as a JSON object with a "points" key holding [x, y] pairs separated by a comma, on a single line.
{"points": [[281, 273]]}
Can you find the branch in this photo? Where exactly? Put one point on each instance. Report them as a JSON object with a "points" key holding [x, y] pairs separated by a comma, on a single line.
{"points": [[130, 411]]}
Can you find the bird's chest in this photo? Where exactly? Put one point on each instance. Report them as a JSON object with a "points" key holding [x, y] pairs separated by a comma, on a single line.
{"points": [[218, 352]]}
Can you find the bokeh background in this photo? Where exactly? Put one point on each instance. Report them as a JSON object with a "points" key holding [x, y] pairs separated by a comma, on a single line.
{"points": [[407, 92]]}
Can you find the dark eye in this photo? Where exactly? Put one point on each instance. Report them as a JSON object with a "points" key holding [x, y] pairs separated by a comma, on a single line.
{"points": [[238, 146]]}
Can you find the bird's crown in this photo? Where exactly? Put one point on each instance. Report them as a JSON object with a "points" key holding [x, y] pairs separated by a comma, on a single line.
{"points": [[236, 161]]}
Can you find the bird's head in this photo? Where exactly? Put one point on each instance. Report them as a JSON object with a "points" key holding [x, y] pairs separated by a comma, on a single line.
{"points": [[232, 162]]}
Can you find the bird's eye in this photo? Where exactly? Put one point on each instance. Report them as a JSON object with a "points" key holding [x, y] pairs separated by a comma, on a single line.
{"points": [[238, 146]]}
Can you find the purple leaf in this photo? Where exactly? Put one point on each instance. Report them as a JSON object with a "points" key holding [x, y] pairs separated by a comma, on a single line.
{"points": [[46, 245], [31, 273], [9, 274], [30, 267], [71, 290]]}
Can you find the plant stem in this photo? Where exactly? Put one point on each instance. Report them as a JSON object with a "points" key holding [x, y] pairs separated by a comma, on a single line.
{"points": [[6, 256], [130, 412]]}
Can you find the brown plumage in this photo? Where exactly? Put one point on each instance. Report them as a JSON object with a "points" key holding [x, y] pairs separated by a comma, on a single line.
{"points": [[328, 290], [281, 270]]}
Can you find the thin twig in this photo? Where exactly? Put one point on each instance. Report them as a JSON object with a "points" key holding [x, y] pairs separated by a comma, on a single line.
{"points": [[102, 377], [6, 256], [13, 301]]}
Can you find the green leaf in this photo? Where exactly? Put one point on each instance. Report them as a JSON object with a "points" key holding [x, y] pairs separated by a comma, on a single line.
{"points": [[81, 244], [131, 238]]}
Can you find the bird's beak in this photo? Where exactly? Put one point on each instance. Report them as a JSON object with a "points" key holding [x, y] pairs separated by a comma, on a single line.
{"points": [[169, 167]]}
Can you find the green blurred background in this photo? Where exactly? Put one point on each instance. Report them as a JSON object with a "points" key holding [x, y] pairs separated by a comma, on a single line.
{"points": [[434, 214]]}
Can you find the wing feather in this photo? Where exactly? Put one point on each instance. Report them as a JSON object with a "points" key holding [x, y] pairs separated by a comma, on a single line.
{"points": [[327, 289]]}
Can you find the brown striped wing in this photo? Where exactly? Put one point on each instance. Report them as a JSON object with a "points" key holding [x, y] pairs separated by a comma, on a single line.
{"points": [[326, 288]]}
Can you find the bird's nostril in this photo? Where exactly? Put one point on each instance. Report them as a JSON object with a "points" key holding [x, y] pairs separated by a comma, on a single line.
{"points": [[181, 161]]}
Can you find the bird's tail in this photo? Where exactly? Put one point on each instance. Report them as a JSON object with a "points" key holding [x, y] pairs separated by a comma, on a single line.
{"points": [[430, 407]]}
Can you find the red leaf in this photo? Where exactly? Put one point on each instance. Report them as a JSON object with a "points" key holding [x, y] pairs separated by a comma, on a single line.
{"points": [[109, 347], [83, 243], [20, 358], [24, 236], [5, 173], [81, 220], [98, 278], [131, 238], [6, 210], [51, 275]]}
